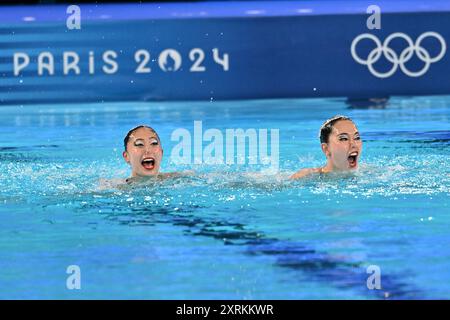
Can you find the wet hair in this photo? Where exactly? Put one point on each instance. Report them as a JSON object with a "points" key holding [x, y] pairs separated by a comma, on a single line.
{"points": [[327, 127], [127, 137]]}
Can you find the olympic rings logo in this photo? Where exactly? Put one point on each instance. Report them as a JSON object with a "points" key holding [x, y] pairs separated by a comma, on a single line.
{"points": [[404, 57]]}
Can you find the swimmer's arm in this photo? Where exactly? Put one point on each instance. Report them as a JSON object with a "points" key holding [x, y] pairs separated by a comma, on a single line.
{"points": [[159, 176], [304, 173]]}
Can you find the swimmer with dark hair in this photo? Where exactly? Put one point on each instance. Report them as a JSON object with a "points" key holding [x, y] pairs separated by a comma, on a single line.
{"points": [[143, 152], [341, 144]]}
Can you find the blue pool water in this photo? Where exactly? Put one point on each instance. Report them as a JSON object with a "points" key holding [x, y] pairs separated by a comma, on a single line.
{"points": [[223, 234]]}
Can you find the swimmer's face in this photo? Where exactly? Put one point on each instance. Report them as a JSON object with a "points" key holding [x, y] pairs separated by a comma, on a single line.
{"points": [[344, 146], [144, 153]]}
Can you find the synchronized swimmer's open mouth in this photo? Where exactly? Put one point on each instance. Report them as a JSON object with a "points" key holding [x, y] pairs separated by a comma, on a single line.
{"points": [[148, 163], [352, 159]]}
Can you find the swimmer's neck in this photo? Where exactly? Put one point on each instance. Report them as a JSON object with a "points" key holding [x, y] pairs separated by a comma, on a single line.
{"points": [[327, 168]]}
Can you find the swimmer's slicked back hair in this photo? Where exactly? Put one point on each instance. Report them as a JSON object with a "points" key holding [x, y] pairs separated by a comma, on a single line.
{"points": [[127, 137], [327, 127]]}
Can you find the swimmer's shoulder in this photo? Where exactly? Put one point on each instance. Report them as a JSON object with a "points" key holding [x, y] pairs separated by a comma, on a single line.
{"points": [[105, 184], [305, 173], [166, 175]]}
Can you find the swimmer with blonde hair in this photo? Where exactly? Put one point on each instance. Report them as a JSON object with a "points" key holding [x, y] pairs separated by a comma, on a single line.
{"points": [[341, 144]]}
